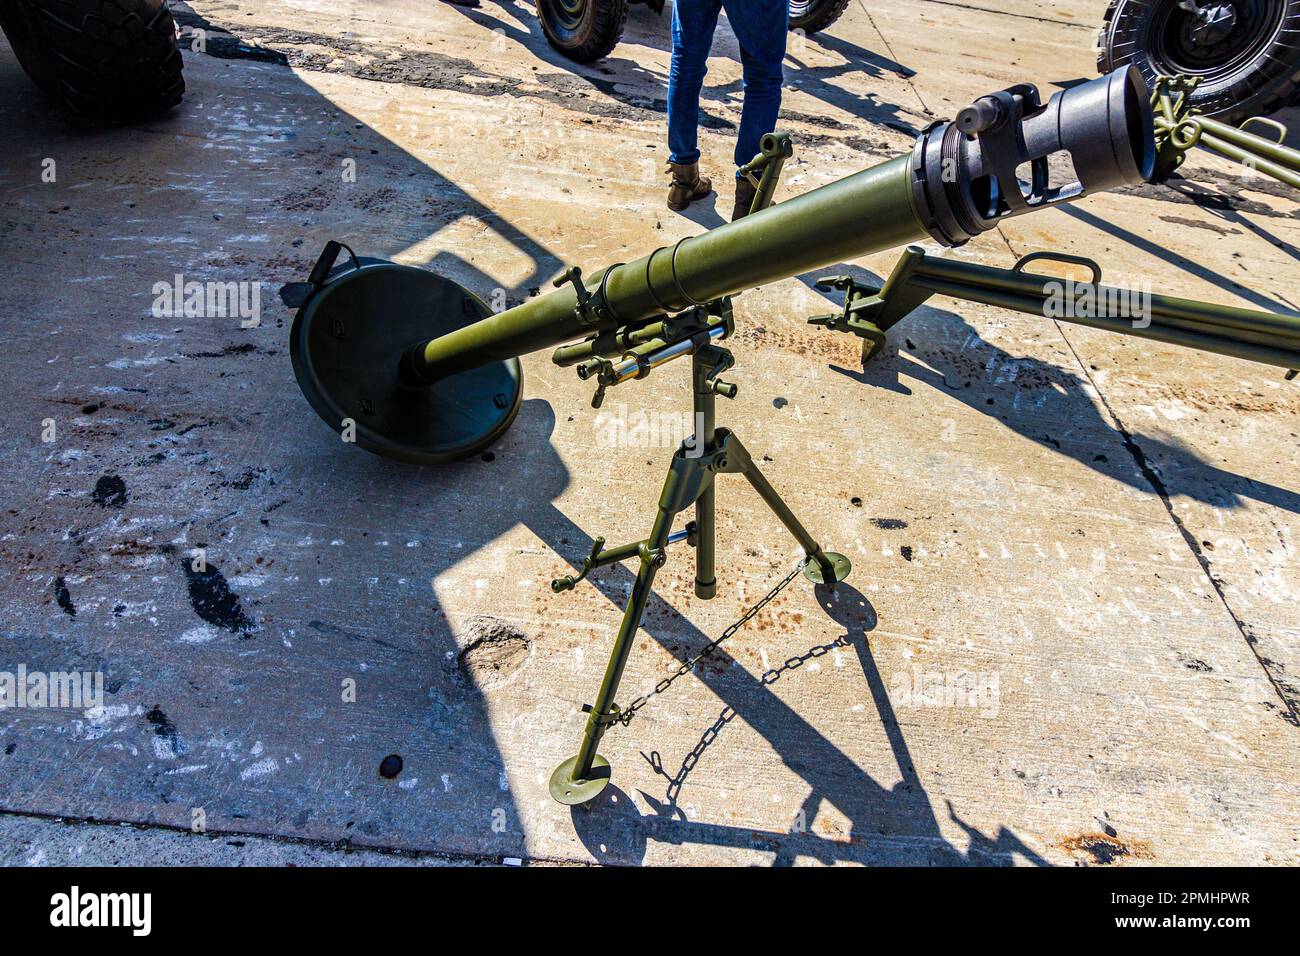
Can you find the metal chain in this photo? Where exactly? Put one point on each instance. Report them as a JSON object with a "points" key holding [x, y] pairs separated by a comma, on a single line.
{"points": [[624, 715], [770, 676]]}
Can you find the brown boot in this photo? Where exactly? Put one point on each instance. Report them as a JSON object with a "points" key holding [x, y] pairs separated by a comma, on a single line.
{"points": [[688, 185], [744, 199]]}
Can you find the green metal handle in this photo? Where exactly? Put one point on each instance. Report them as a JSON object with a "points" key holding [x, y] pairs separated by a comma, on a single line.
{"points": [[1265, 121], [1063, 257]]}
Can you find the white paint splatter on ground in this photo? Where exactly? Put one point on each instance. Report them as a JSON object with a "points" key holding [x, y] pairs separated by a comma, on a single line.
{"points": [[262, 768], [199, 634]]}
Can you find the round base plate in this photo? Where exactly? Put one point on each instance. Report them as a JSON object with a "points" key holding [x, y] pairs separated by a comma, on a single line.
{"points": [[346, 342], [813, 571], [573, 792]]}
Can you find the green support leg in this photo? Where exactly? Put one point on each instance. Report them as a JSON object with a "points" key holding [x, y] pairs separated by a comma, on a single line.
{"points": [[826, 567], [690, 481], [583, 777], [703, 374]]}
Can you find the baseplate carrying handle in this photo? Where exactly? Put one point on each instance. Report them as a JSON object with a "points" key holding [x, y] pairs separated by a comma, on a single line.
{"points": [[321, 271]]}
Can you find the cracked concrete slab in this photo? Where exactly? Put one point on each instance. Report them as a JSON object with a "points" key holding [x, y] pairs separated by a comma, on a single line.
{"points": [[35, 841], [1100, 530]]}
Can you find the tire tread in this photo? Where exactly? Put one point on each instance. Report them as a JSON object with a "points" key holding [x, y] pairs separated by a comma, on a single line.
{"points": [[105, 60]]}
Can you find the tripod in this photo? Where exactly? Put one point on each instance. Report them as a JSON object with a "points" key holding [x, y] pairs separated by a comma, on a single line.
{"points": [[689, 481]]}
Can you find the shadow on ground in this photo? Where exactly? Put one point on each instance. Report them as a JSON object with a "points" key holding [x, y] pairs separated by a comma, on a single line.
{"points": [[941, 349], [622, 78], [212, 447]]}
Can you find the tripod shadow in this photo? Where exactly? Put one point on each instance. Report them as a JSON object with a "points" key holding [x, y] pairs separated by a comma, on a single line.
{"points": [[887, 824], [1231, 207], [323, 549], [1045, 403]]}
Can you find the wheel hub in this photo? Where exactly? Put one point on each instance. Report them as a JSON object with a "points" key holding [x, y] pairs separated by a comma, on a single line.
{"points": [[1213, 24], [1212, 40]]}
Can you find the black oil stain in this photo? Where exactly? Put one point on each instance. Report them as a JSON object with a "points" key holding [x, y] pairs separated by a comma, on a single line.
{"points": [[162, 724], [229, 48], [63, 597], [889, 524], [213, 601], [390, 766], [244, 348], [1103, 849], [164, 728], [110, 492], [9, 750], [245, 481]]}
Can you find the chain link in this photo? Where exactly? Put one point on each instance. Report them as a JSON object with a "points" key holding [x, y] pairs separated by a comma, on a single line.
{"points": [[624, 715], [770, 676]]}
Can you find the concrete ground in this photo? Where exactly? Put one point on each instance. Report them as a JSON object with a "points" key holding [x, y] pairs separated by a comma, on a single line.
{"points": [[1099, 531]]}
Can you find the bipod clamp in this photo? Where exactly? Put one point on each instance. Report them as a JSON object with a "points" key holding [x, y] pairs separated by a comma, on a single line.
{"points": [[681, 335], [866, 314], [590, 307], [764, 170]]}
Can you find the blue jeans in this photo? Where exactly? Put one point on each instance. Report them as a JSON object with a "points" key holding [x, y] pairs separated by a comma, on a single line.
{"points": [[760, 26]]}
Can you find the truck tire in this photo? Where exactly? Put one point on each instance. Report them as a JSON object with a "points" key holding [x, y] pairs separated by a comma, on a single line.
{"points": [[583, 30], [1248, 62], [109, 60], [813, 15]]}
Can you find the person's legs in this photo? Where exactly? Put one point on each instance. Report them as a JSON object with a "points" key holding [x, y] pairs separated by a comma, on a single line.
{"points": [[693, 24], [760, 27]]}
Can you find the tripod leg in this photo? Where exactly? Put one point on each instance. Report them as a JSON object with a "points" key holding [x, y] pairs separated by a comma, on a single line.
{"points": [[706, 579], [702, 365], [826, 567], [580, 778]]}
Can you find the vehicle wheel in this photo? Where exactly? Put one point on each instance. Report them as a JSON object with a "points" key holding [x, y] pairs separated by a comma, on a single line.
{"points": [[1243, 51], [583, 30], [813, 15], [103, 59]]}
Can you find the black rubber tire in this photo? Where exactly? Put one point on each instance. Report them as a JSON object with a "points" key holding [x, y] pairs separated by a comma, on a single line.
{"points": [[583, 30], [813, 15], [106, 60], [1269, 81]]}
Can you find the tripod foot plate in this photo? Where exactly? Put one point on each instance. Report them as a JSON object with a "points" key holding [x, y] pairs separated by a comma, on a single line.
{"points": [[573, 792], [840, 564]]}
